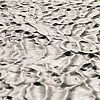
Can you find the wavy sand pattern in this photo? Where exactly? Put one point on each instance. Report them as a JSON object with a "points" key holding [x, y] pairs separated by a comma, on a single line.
{"points": [[50, 50]]}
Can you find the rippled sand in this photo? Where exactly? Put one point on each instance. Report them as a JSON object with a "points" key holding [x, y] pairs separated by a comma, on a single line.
{"points": [[50, 50]]}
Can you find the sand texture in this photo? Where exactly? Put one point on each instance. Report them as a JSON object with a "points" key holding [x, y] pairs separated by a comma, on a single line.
{"points": [[49, 49]]}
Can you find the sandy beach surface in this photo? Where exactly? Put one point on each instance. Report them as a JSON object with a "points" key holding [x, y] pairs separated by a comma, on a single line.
{"points": [[49, 49]]}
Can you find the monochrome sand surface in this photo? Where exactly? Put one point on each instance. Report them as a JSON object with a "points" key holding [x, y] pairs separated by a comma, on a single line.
{"points": [[49, 49]]}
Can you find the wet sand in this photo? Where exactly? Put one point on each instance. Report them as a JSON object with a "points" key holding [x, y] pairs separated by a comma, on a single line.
{"points": [[49, 50]]}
